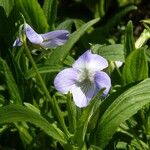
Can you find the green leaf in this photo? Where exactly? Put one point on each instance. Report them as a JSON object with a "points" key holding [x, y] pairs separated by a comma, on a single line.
{"points": [[100, 8], [113, 52], [18, 113], [61, 52], [99, 34], [67, 24], [59, 116], [72, 113], [2, 100], [33, 14], [136, 67], [11, 84], [143, 38], [43, 69], [7, 5], [69, 60], [116, 18], [50, 11], [93, 147], [129, 39], [122, 108], [85, 118]]}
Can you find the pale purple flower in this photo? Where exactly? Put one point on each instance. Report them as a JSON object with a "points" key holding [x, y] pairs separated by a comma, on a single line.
{"points": [[47, 40], [84, 79], [17, 42]]}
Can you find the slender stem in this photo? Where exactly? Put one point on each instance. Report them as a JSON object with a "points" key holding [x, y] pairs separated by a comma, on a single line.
{"points": [[38, 74], [59, 116]]}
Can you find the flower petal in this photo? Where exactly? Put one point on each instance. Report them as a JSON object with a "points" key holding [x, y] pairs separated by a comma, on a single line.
{"points": [[65, 79], [90, 62], [102, 80], [54, 38], [53, 43], [82, 94], [59, 34], [17, 42], [33, 37]]}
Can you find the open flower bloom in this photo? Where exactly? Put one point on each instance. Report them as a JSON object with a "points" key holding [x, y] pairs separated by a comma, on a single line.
{"points": [[47, 40], [84, 79]]}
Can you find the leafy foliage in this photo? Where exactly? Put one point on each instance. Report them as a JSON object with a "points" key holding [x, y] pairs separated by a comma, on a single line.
{"points": [[39, 117]]}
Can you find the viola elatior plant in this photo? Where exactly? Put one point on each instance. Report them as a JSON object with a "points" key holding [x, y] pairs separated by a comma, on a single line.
{"points": [[84, 79], [47, 40]]}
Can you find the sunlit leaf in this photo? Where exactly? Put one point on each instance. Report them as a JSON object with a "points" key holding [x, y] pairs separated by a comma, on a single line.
{"points": [[43, 69], [123, 107], [129, 40], [113, 52], [60, 53], [33, 14], [136, 67], [50, 11], [17, 113]]}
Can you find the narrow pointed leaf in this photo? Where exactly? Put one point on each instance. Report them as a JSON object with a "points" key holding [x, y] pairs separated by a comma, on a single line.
{"points": [[72, 113], [43, 69], [136, 67], [50, 11], [67, 24], [17, 113], [99, 34], [123, 107], [33, 14], [129, 39], [11, 84], [85, 118], [60, 53]]}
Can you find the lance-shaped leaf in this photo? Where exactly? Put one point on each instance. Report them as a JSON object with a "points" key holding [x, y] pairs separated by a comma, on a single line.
{"points": [[50, 11], [11, 84], [60, 53], [136, 67], [17, 113], [33, 14], [129, 39], [123, 107], [43, 69]]}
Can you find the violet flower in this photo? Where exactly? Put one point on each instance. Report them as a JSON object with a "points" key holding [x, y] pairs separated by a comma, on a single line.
{"points": [[47, 40], [84, 79]]}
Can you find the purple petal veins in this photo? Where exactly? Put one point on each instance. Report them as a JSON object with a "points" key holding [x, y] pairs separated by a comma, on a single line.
{"points": [[84, 79], [17, 43]]}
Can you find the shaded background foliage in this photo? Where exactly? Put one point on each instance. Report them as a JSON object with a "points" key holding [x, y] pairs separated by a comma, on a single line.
{"points": [[19, 84]]}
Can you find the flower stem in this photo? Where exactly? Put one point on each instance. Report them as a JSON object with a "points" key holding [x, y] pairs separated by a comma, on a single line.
{"points": [[58, 113], [38, 74]]}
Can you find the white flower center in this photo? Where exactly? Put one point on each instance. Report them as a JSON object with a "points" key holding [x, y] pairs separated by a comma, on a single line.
{"points": [[85, 76]]}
